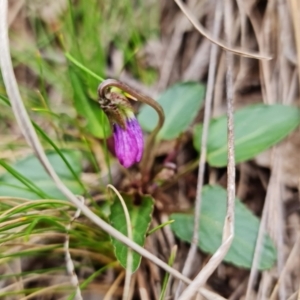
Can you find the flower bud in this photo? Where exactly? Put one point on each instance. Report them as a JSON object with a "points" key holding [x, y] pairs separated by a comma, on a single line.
{"points": [[127, 132]]}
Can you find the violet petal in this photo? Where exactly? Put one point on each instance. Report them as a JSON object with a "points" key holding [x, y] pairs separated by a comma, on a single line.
{"points": [[129, 144], [136, 133]]}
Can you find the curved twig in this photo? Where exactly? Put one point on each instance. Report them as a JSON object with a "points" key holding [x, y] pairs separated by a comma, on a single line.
{"points": [[202, 30]]}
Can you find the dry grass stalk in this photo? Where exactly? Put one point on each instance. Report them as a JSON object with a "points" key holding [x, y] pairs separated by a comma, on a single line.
{"points": [[228, 229], [207, 115], [69, 263]]}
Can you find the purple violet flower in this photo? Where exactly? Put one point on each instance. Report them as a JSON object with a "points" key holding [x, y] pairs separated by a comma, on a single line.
{"points": [[128, 135], [129, 144]]}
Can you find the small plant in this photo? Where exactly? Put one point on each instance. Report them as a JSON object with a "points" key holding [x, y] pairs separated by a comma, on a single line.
{"points": [[93, 139]]}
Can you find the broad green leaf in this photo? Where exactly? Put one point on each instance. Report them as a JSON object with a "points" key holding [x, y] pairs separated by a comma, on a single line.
{"points": [[181, 103], [31, 169], [140, 216], [213, 212], [96, 121], [257, 128]]}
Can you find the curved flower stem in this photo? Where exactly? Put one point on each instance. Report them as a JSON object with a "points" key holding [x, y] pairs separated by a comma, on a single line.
{"points": [[147, 157]]}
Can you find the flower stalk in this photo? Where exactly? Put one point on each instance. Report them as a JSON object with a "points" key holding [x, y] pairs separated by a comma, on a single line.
{"points": [[127, 131]]}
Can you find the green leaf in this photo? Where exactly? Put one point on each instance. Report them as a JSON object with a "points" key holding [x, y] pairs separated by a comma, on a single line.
{"points": [[181, 103], [140, 216], [96, 121], [58, 151], [257, 128], [4, 99], [31, 170], [213, 212]]}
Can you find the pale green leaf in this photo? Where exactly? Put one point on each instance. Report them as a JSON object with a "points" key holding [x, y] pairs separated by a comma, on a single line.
{"points": [[31, 170], [213, 212], [257, 128], [181, 103]]}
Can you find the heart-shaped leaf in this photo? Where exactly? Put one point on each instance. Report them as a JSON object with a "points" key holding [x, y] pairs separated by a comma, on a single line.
{"points": [[140, 217], [181, 103], [257, 128], [213, 212]]}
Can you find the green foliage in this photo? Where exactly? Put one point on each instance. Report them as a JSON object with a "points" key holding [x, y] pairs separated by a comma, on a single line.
{"points": [[92, 277], [35, 230], [96, 121], [140, 216], [88, 31], [167, 275], [257, 128], [70, 63], [28, 179], [181, 103], [5, 100], [213, 212], [64, 95]]}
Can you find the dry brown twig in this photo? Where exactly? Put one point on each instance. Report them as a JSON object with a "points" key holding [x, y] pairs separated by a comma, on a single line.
{"points": [[142, 285], [275, 86], [228, 229], [295, 9], [182, 25], [287, 267], [207, 114], [202, 30], [259, 241], [69, 263], [111, 291]]}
